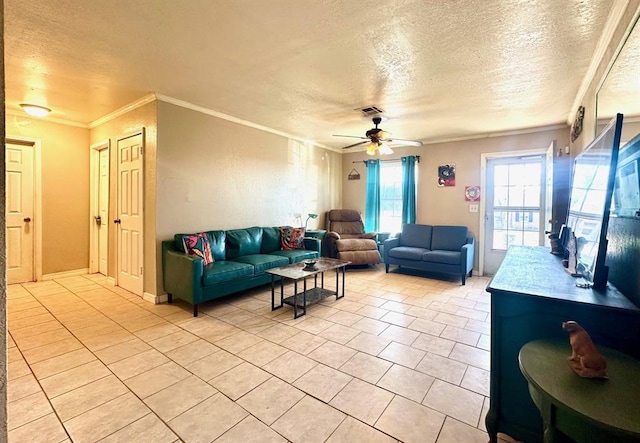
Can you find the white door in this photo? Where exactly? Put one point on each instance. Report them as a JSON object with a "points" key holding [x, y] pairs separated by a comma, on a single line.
{"points": [[103, 211], [129, 223], [515, 205], [19, 212]]}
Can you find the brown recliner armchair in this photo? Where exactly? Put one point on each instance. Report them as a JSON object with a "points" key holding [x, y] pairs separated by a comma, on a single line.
{"points": [[346, 239]]}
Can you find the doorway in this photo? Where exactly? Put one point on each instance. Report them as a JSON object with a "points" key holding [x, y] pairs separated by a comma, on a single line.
{"points": [[514, 210], [99, 221]]}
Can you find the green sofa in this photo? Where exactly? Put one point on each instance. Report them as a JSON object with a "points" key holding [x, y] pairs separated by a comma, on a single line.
{"points": [[241, 258]]}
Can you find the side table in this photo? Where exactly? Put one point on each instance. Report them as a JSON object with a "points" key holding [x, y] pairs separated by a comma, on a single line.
{"points": [[585, 410]]}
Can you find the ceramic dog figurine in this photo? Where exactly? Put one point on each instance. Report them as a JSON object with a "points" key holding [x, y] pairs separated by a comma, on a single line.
{"points": [[585, 359]]}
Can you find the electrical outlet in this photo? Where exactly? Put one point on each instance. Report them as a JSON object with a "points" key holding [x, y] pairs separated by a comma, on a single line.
{"points": [[473, 208]]}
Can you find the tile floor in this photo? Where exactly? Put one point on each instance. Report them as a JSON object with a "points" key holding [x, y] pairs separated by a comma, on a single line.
{"points": [[400, 358]]}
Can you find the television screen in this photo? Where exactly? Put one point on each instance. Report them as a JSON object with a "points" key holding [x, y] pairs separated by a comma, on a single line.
{"points": [[626, 193], [591, 190]]}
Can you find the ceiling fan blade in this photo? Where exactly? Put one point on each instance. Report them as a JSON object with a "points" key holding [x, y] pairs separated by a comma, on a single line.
{"points": [[400, 141], [356, 144], [351, 136]]}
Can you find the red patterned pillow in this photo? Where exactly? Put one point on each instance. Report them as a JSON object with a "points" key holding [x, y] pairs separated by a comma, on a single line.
{"points": [[198, 245], [291, 238]]}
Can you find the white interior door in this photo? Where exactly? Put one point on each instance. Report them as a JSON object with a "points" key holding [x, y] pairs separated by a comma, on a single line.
{"points": [[129, 221], [103, 211], [19, 173]]}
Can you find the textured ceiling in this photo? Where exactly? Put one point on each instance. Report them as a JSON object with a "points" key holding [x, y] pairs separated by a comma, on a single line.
{"points": [[439, 69]]}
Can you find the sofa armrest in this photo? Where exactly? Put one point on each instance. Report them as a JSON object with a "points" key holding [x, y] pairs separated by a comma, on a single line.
{"points": [[389, 244], [182, 275], [313, 244], [468, 252]]}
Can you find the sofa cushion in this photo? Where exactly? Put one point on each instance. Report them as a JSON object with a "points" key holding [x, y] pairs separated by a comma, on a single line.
{"points": [[291, 238], [223, 271], [296, 255], [444, 257], [243, 242], [262, 262], [407, 252], [418, 236], [449, 238], [198, 246], [218, 242], [270, 240]]}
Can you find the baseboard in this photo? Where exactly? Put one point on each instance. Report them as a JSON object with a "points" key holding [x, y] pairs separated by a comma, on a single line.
{"points": [[74, 273], [111, 281], [155, 299]]}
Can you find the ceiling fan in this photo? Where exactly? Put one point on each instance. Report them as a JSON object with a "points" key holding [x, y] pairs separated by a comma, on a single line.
{"points": [[378, 140]]}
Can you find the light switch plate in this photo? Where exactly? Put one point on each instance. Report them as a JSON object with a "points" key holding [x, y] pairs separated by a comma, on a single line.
{"points": [[473, 208]]}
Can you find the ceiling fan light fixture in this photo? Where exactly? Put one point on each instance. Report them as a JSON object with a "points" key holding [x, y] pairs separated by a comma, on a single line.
{"points": [[385, 149], [35, 110], [371, 148]]}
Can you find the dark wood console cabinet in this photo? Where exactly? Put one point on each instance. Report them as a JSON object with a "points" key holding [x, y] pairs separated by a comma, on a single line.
{"points": [[531, 295]]}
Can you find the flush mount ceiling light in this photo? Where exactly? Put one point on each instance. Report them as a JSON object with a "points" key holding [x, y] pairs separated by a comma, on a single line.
{"points": [[35, 110]]}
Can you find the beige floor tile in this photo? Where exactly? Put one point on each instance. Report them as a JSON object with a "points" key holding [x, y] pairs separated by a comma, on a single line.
{"points": [[339, 334], [304, 342], [238, 381], [106, 419], [352, 430], [443, 368], [96, 331], [407, 382], [402, 355], [48, 427], [178, 398], [62, 363], [461, 335], [410, 422], [22, 387], [173, 341], [451, 319], [476, 380], [484, 342], [35, 328], [148, 429], [472, 313], [398, 319], [290, 366], [251, 430], [137, 364], [278, 333], [370, 325], [192, 352], [471, 355], [435, 345], [483, 414], [362, 400], [213, 365], [80, 400], [422, 312], [74, 378], [368, 343], [17, 369], [400, 335], [479, 326], [454, 401], [312, 325], [308, 421], [45, 352], [156, 379], [27, 409], [238, 341], [372, 312], [263, 352], [454, 431], [208, 420], [427, 326], [395, 306], [139, 323], [372, 301], [323, 382], [121, 351], [332, 354], [345, 318], [104, 341], [366, 367], [270, 400], [34, 341]]}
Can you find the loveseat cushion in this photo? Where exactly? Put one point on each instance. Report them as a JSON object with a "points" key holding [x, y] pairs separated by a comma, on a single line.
{"points": [[444, 257], [223, 271], [218, 240], [408, 252], [296, 255], [270, 240], [262, 262], [418, 236], [243, 242], [449, 238]]}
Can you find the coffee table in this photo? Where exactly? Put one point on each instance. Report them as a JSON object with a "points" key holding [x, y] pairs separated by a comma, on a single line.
{"points": [[308, 296]]}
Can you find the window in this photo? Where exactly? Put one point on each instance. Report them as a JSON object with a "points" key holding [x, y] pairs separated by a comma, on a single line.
{"points": [[390, 196]]}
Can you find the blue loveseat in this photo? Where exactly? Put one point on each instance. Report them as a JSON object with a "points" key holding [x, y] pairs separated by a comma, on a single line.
{"points": [[442, 249], [240, 258]]}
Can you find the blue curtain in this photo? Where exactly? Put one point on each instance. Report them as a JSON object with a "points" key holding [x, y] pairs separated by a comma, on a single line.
{"points": [[372, 205], [408, 189]]}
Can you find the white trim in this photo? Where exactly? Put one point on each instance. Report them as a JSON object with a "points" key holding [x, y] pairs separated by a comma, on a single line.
{"points": [[74, 273], [61, 121], [111, 281], [36, 143], [155, 299], [484, 158], [553, 127], [94, 168], [613, 20], [121, 111]]}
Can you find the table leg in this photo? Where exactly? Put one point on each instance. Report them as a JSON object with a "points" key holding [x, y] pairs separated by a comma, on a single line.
{"points": [[295, 299], [304, 296], [273, 302], [337, 274]]}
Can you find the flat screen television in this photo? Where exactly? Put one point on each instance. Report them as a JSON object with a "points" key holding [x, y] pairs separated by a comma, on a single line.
{"points": [[594, 172]]}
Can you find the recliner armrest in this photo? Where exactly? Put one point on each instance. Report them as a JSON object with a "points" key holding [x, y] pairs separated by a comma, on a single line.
{"points": [[334, 235], [371, 235]]}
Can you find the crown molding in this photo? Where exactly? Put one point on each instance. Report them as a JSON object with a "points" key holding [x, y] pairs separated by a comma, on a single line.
{"points": [[552, 127], [61, 121], [121, 111]]}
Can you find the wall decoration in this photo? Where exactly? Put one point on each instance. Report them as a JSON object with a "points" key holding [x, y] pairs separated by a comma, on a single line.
{"points": [[447, 175], [354, 175], [472, 193], [576, 128]]}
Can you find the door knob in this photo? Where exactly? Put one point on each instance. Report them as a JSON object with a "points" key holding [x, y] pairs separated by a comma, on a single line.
{"points": [[27, 219], [117, 220], [98, 219]]}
